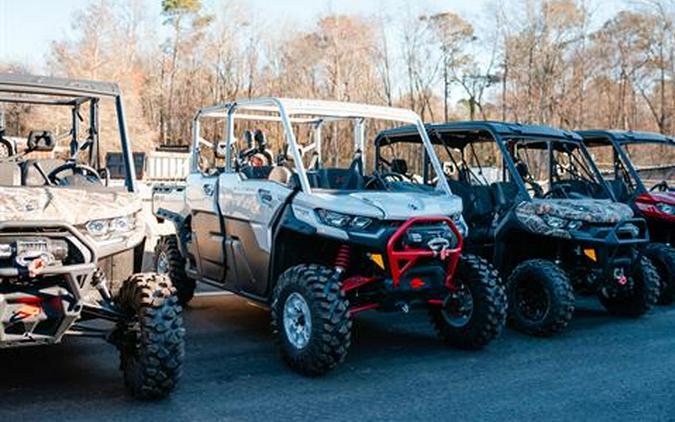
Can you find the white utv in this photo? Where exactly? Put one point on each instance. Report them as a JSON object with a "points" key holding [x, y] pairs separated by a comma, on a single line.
{"points": [[318, 242]]}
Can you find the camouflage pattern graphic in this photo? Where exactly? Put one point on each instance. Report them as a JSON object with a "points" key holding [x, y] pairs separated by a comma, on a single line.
{"points": [[75, 206], [598, 211]]}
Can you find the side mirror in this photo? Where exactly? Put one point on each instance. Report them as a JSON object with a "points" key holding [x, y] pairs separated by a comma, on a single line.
{"points": [[40, 140]]}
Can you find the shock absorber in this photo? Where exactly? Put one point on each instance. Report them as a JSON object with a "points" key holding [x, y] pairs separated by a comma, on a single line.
{"points": [[100, 281], [343, 259]]}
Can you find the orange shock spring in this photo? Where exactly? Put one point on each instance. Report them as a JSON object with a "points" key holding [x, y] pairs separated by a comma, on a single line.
{"points": [[343, 257]]}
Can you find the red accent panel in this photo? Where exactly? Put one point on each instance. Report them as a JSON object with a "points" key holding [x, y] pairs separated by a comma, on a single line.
{"points": [[402, 260], [364, 308], [417, 283], [357, 281], [647, 204]]}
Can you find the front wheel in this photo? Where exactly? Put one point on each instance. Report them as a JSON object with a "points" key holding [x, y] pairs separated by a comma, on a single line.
{"points": [[638, 296], [311, 319], [151, 335], [475, 314], [541, 298], [663, 258]]}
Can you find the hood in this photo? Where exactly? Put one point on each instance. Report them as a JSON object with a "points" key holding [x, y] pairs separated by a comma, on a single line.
{"points": [[658, 197], [74, 206], [392, 205], [587, 210]]}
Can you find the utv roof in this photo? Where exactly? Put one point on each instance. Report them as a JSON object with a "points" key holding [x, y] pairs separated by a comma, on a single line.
{"points": [[42, 89], [308, 111], [467, 131], [599, 137]]}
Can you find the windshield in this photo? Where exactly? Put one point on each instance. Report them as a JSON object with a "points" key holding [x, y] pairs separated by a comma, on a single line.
{"points": [[556, 168], [321, 146]]}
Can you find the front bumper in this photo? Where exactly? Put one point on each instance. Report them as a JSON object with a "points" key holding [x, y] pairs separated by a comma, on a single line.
{"points": [[413, 274], [40, 308]]}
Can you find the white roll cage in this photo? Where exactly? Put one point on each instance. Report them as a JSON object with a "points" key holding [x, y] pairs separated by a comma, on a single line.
{"points": [[310, 112]]}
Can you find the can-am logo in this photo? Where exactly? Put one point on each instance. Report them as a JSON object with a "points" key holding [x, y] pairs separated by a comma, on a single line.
{"points": [[413, 207]]}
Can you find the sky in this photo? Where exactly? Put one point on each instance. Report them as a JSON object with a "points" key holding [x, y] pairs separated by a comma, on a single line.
{"points": [[27, 27]]}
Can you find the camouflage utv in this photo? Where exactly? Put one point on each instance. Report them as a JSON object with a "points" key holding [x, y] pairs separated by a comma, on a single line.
{"points": [[539, 208], [71, 245]]}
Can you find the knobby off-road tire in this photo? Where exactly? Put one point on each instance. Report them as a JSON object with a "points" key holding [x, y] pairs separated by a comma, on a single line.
{"points": [[472, 328], [642, 296], [152, 344], [327, 341], [172, 263], [663, 258], [541, 298]]}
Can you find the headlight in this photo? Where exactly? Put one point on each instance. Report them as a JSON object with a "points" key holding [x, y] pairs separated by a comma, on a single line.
{"points": [[575, 224], [98, 228], [460, 224], [666, 208], [112, 226], [554, 222], [344, 221]]}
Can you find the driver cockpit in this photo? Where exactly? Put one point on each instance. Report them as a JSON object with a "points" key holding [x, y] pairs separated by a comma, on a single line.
{"points": [[35, 161]]}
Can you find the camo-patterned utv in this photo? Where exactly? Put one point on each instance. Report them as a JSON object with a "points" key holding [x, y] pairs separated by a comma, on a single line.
{"points": [[538, 207], [71, 244]]}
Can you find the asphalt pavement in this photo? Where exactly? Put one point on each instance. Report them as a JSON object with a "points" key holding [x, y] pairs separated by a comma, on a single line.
{"points": [[602, 368]]}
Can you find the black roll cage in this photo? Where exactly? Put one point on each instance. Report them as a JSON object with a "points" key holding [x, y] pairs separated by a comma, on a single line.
{"points": [[501, 133], [617, 140]]}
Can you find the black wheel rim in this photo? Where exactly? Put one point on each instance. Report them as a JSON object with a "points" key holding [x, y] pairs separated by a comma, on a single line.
{"points": [[458, 308], [532, 300]]}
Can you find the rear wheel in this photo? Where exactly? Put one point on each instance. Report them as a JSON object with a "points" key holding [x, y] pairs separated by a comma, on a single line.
{"points": [[169, 261], [475, 314], [150, 336], [310, 319], [663, 258], [639, 295], [541, 298]]}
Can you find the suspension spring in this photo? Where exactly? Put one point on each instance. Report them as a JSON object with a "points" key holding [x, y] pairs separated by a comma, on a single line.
{"points": [[343, 258]]}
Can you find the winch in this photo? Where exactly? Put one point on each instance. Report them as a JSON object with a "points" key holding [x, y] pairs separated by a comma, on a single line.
{"points": [[26, 251]]}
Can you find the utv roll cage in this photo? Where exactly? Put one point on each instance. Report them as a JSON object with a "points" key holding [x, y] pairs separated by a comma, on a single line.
{"points": [[308, 112], [460, 134], [49, 91], [620, 138]]}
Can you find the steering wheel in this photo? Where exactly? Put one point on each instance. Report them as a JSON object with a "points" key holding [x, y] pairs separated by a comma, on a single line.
{"points": [[381, 178], [76, 168], [660, 187], [562, 188]]}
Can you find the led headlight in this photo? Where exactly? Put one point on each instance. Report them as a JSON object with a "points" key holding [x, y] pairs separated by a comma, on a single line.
{"points": [[666, 208], [112, 226], [344, 221], [554, 222], [575, 224], [460, 224], [98, 228], [123, 224]]}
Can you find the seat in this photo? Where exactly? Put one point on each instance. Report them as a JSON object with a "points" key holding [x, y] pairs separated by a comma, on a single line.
{"points": [[32, 177], [260, 172], [400, 166], [10, 174], [280, 174], [479, 209]]}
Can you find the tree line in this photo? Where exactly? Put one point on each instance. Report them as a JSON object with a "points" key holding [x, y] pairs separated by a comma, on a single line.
{"points": [[531, 61]]}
